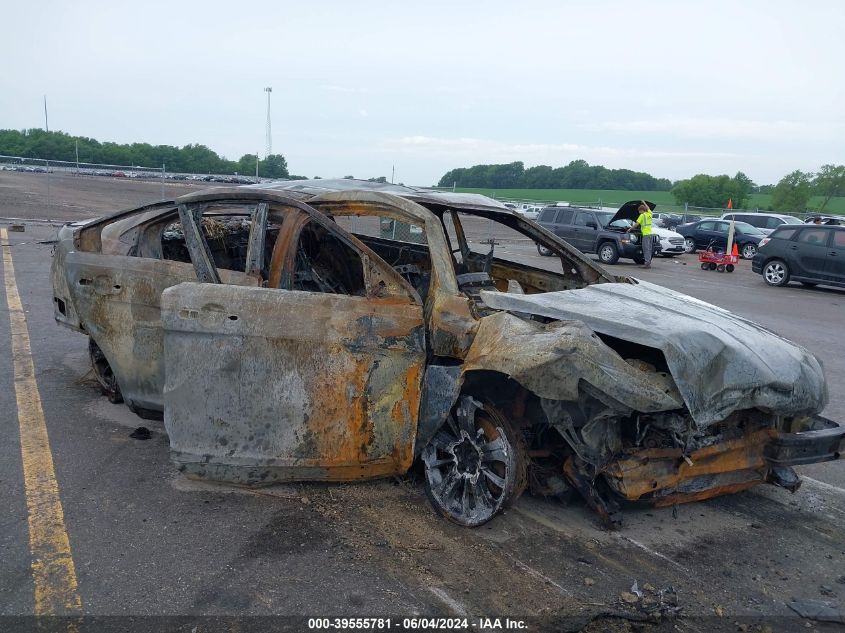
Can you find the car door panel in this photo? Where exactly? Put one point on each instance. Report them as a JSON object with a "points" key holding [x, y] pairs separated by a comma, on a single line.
{"points": [[835, 261], [810, 255], [281, 385], [118, 301]]}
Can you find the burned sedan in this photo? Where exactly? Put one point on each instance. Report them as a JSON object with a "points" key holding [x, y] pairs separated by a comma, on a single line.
{"points": [[285, 335]]}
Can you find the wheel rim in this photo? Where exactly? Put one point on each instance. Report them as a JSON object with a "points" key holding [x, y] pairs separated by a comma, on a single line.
{"points": [[775, 273], [606, 253], [749, 251], [103, 372], [689, 245], [469, 466]]}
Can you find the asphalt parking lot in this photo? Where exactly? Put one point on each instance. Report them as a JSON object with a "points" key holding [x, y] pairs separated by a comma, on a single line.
{"points": [[142, 540]]}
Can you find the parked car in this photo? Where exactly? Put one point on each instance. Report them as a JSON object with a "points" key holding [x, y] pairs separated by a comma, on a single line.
{"points": [[766, 222], [596, 231], [666, 220], [811, 254], [671, 243], [527, 211], [714, 233], [285, 339], [674, 220], [834, 220]]}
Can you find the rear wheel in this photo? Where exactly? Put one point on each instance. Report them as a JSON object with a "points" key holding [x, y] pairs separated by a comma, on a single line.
{"points": [[476, 465], [749, 251], [729, 268], [103, 372], [608, 253], [689, 245], [776, 273]]}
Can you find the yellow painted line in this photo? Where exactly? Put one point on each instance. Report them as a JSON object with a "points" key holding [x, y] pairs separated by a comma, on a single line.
{"points": [[53, 571]]}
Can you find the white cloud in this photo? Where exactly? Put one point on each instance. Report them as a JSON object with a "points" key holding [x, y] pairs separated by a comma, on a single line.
{"points": [[779, 130]]}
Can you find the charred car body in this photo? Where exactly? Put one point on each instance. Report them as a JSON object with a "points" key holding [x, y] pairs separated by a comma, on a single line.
{"points": [[286, 338]]}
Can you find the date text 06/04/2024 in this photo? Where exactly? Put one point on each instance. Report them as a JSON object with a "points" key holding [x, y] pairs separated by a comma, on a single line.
{"points": [[414, 624]]}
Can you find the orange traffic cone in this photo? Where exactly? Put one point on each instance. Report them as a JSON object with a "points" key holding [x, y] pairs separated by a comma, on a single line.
{"points": [[735, 250]]}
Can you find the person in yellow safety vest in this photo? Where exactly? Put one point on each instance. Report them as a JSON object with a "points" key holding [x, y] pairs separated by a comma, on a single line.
{"points": [[644, 224]]}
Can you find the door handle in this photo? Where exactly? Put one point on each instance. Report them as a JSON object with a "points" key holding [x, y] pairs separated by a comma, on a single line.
{"points": [[833, 253], [794, 247]]}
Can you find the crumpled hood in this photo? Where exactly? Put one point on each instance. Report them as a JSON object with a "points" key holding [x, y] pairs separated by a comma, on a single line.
{"points": [[720, 362]]}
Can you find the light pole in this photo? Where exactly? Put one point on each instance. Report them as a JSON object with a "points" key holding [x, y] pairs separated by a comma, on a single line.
{"points": [[269, 90]]}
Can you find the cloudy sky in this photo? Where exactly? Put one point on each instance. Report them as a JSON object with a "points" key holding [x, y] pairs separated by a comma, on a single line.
{"points": [[671, 88]]}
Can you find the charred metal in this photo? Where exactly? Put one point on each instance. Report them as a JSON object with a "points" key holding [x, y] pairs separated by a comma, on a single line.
{"points": [[340, 330]]}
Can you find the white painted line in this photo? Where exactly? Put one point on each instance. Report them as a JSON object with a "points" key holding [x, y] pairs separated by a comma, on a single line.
{"points": [[537, 574], [651, 551], [449, 601], [821, 485]]}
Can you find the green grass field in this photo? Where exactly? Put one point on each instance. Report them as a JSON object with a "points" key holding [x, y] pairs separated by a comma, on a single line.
{"points": [[613, 198]]}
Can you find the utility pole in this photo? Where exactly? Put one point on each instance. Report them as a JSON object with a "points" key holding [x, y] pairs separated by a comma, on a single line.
{"points": [[392, 173], [46, 125], [77, 157], [269, 90], [256, 165]]}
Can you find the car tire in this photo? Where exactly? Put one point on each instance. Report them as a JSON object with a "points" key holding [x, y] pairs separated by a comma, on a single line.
{"points": [[748, 250], [103, 373], [476, 465], [545, 252], [608, 253], [776, 273], [689, 245]]}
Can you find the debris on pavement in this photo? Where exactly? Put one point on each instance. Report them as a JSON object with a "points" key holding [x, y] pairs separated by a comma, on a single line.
{"points": [[818, 610], [141, 433]]}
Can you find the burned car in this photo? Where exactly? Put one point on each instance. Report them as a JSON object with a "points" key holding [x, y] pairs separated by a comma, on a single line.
{"points": [[285, 335]]}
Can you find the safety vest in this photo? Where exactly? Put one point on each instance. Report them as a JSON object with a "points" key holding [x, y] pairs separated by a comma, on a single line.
{"points": [[644, 220]]}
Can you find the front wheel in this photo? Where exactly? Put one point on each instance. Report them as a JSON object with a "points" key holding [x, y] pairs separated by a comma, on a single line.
{"points": [[608, 253], [476, 465], [749, 251], [689, 245], [776, 273]]}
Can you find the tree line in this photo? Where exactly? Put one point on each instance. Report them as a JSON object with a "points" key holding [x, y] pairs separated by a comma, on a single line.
{"points": [[790, 195], [576, 175], [190, 159]]}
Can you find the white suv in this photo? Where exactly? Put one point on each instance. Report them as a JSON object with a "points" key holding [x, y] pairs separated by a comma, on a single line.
{"points": [[766, 222]]}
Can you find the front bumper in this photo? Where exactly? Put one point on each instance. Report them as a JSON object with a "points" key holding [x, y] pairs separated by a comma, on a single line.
{"points": [[823, 443], [664, 476]]}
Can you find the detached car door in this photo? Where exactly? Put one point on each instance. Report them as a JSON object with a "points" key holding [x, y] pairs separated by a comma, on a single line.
{"points": [[316, 376]]}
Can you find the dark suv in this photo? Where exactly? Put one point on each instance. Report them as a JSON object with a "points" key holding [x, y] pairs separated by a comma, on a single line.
{"points": [[597, 231], [811, 254]]}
